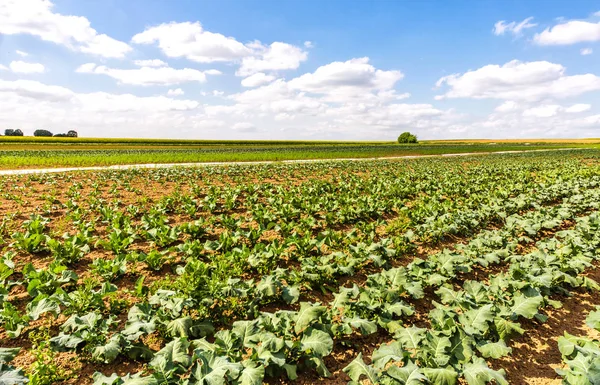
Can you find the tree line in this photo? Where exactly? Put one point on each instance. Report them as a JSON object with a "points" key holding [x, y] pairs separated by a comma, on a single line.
{"points": [[18, 132]]}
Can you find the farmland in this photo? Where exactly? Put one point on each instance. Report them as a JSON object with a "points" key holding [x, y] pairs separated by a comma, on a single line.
{"points": [[468, 270], [40, 152]]}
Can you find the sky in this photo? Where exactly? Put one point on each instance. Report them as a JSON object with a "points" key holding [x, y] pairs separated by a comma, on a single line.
{"points": [[322, 70]]}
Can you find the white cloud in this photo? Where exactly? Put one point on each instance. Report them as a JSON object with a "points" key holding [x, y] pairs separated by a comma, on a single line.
{"points": [[150, 63], [22, 67], [22, 53], [29, 104], [36, 90], [501, 27], [148, 76], [277, 56], [244, 127], [543, 111], [175, 92], [586, 51], [35, 17], [517, 80], [507, 106], [191, 41], [576, 108], [3, 68], [346, 80], [308, 44], [258, 79], [218, 93], [570, 32]]}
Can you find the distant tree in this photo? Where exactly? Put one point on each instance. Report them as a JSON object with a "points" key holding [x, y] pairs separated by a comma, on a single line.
{"points": [[72, 134], [11, 132], [407, 137], [60, 135], [42, 133]]}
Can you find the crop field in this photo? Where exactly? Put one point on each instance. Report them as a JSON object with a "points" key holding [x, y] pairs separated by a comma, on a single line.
{"points": [[40, 152], [472, 270]]}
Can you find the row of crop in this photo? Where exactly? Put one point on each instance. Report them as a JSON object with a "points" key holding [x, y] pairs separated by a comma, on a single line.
{"points": [[208, 282], [301, 337], [474, 323]]}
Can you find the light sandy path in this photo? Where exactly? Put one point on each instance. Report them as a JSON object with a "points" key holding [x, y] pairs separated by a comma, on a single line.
{"points": [[204, 164]]}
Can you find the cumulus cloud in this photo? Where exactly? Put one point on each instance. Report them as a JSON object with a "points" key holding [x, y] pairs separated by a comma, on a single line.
{"points": [[586, 51], [21, 67], [36, 17], [175, 92], [258, 79], [191, 41], [35, 90], [570, 32], [576, 108], [3, 68], [507, 106], [149, 76], [346, 80], [277, 56], [308, 44], [150, 63], [517, 80], [543, 111], [22, 53], [244, 127], [502, 27], [26, 104]]}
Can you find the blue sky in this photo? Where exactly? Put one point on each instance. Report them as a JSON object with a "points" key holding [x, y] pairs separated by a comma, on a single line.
{"points": [[301, 69]]}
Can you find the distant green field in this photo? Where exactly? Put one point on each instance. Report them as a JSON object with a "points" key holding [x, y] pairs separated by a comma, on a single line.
{"points": [[34, 152]]}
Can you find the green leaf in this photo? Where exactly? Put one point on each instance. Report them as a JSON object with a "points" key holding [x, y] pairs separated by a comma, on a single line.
{"points": [[252, 374], [593, 319], [506, 327], [527, 306], [317, 342], [409, 374], [386, 353], [8, 354], [109, 352], [567, 344], [475, 321], [11, 376], [439, 346], [307, 315], [180, 327], [212, 370], [494, 350], [478, 373], [441, 376], [462, 347], [290, 294], [366, 327], [174, 354], [411, 337], [45, 305], [65, 341], [357, 368]]}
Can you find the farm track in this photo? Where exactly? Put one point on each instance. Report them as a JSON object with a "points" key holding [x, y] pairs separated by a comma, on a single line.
{"points": [[206, 164]]}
